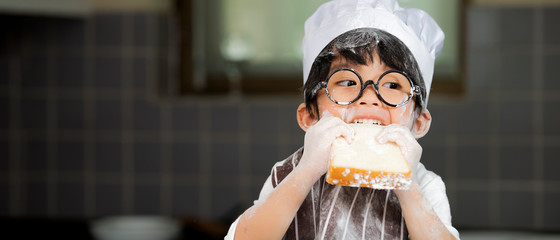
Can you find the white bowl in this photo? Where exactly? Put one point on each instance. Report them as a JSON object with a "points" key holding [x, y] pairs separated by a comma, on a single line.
{"points": [[135, 227]]}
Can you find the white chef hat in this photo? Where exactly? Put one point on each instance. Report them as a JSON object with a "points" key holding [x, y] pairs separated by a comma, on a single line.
{"points": [[416, 28]]}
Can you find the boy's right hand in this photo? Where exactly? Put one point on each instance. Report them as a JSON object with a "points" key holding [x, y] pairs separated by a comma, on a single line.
{"points": [[318, 141]]}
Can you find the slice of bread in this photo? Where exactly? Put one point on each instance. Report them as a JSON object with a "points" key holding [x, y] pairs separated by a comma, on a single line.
{"points": [[367, 163]]}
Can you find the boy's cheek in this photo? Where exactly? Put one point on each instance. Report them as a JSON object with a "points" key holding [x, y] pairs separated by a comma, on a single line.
{"points": [[333, 111], [326, 106], [403, 116]]}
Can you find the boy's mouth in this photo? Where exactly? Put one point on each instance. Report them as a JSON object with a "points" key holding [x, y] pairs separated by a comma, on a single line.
{"points": [[368, 121]]}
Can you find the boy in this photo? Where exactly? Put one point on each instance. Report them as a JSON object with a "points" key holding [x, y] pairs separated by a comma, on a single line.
{"points": [[349, 45]]}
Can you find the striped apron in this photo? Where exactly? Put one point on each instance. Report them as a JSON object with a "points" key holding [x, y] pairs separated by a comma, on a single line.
{"points": [[339, 212]]}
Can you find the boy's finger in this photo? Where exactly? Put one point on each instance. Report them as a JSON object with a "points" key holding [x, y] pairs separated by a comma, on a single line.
{"points": [[392, 133], [343, 130]]}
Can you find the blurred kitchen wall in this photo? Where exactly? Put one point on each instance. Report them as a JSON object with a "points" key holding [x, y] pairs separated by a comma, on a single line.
{"points": [[86, 133]]}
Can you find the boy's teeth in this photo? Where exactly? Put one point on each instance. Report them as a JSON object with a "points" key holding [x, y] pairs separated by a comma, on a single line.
{"points": [[368, 121]]}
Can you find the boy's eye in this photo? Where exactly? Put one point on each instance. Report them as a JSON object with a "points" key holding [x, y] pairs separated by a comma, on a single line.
{"points": [[392, 85], [346, 83]]}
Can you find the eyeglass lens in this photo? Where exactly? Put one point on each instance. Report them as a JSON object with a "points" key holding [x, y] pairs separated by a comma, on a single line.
{"points": [[345, 86]]}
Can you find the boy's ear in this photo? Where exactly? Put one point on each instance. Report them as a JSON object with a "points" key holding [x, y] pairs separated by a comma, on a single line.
{"points": [[304, 118], [422, 124]]}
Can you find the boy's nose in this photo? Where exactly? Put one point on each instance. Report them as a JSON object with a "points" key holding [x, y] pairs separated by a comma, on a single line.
{"points": [[369, 97]]}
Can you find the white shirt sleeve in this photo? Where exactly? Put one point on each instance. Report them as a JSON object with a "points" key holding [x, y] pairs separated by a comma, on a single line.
{"points": [[433, 188], [265, 191], [231, 232]]}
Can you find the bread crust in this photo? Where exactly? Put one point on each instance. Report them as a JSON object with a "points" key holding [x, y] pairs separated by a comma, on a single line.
{"points": [[354, 177]]}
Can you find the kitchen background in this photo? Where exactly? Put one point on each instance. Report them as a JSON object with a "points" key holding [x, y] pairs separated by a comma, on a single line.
{"points": [[87, 132]]}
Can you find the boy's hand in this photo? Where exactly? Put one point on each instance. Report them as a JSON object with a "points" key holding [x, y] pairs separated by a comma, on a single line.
{"points": [[411, 149], [318, 140]]}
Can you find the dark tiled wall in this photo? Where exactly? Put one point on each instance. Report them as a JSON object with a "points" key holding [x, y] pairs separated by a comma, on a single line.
{"points": [[500, 141], [86, 133]]}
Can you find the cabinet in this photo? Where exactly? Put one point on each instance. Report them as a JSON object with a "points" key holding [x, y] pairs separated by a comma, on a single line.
{"points": [[68, 8]]}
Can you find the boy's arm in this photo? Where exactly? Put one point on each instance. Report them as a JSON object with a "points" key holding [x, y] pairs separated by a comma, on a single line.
{"points": [[270, 218], [421, 220]]}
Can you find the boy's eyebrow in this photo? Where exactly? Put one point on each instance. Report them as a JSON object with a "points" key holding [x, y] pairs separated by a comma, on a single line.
{"points": [[339, 65]]}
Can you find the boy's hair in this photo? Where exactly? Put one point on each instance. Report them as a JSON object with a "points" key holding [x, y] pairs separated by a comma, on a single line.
{"points": [[358, 46]]}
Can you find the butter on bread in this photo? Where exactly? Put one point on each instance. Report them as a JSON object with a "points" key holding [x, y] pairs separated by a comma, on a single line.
{"points": [[367, 163]]}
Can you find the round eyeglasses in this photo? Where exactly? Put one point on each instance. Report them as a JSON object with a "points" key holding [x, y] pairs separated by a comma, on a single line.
{"points": [[345, 86]]}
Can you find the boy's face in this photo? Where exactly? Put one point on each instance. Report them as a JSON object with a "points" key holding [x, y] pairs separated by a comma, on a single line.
{"points": [[369, 107]]}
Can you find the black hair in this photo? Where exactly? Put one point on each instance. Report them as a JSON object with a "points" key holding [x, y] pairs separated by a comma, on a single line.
{"points": [[358, 46]]}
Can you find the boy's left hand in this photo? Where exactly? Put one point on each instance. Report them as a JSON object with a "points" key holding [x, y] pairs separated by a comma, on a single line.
{"points": [[411, 149]]}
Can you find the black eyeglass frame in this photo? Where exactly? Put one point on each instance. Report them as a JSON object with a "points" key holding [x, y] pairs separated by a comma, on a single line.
{"points": [[323, 84]]}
